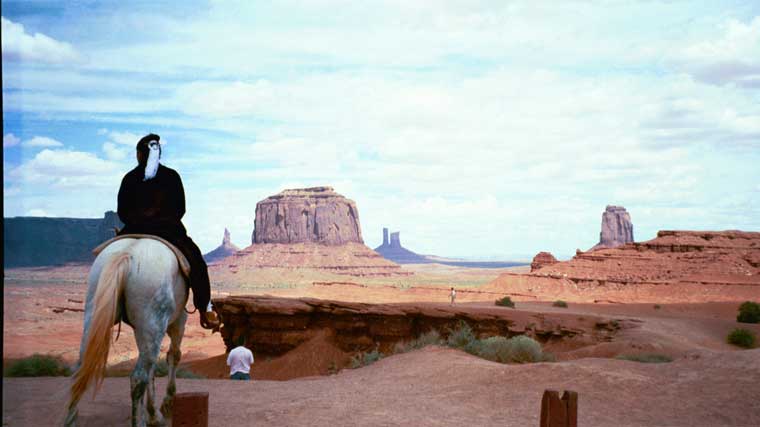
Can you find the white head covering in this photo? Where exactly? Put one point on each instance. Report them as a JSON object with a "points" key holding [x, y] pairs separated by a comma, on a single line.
{"points": [[152, 166]]}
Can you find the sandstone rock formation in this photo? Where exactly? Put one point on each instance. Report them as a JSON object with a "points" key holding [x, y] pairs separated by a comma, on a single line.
{"points": [[542, 259], [310, 228], [224, 250], [395, 252], [42, 241], [350, 259], [274, 326], [316, 215], [617, 228], [677, 266]]}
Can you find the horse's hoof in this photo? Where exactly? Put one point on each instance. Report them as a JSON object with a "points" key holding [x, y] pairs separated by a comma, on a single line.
{"points": [[157, 421], [166, 408]]}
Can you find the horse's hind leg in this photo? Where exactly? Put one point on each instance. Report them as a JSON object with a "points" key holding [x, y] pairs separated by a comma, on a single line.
{"points": [[176, 330], [143, 376]]}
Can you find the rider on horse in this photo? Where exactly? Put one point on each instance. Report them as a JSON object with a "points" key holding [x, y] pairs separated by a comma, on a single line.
{"points": [[152, 201]]}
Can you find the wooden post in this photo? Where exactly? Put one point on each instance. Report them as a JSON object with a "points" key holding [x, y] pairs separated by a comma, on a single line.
{"points": [[556, 412], [190, 410]]}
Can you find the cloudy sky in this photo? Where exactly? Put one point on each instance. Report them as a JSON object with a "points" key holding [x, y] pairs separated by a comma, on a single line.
{"points": [[483, 129]]}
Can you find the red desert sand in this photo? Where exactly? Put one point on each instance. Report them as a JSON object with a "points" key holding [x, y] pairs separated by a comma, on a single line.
{"points": [[676, 295]]}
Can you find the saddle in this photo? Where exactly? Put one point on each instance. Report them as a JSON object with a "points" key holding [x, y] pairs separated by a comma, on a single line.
{"points": [[184, 265]]}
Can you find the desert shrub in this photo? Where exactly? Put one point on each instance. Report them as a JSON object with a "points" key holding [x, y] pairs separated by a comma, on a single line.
{"points": [[431, 337], [749, 312], [463, 338], [505, 302], [560, 303], [38, 365], [332, 369], [497, 349], [742, 338], [657, 306], [645, 358], [519, 349], [364, 359], [525, 349]]}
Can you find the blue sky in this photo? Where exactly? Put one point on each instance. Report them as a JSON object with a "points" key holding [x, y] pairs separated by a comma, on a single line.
{"points": [[483, 129]]}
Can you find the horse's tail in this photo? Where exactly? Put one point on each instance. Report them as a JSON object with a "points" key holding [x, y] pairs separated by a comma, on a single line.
{"points": [[110, 287]]}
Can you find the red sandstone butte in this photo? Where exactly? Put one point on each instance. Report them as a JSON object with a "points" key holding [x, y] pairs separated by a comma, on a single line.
{"points": [[542, 259]]}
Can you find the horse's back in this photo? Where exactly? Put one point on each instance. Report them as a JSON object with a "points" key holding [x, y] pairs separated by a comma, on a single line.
{"points": [[154, 274]]}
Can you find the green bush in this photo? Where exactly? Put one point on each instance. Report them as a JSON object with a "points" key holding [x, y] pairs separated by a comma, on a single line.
{"points": [[749, 312], [519, 349], [645, 358], [525, 350], [505, 302], [560, 303], [742, 338], [364, 359], [463, 338], [38, 365], [431, 337]]}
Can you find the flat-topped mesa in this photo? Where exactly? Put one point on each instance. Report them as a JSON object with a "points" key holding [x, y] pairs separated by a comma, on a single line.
{"points": [[307, 215], [542, 259], [617, 228]]}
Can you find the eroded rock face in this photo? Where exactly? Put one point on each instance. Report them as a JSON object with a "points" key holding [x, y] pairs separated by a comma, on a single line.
{"points": [[307, 215], [224, 250], [677, 266], [275, 326], [351, 259], [542, 259], [617, 228]]}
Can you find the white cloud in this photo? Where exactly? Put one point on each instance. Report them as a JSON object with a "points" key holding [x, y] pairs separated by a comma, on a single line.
{"points": [[124, 138], [466, 126], [37, 212], [10, 140], [113, 152], [733, 57], [20, 46], [42, 141], [66, 168]]}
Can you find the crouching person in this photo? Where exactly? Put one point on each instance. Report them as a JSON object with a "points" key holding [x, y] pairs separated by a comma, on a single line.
{"points": [[240, 360]]}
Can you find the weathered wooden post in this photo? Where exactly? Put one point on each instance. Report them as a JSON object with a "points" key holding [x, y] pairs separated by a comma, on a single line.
{"points": [[190, 410], [556, 412]]}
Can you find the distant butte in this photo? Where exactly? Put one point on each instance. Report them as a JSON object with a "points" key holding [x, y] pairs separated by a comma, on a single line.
{"points": [[617, 228], [302, 215], [226, 249], [313, 228], [393, 250], [542, 259]]}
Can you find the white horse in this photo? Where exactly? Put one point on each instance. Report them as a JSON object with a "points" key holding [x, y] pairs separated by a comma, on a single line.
{"points": [[139, 280]]}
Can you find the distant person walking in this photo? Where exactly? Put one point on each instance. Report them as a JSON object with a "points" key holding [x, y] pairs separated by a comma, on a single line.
{"points": [[453, 295], [240, 361]]}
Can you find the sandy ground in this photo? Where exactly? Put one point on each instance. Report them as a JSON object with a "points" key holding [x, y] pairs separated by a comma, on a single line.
{"points": [[710, 383], [444, 387]]}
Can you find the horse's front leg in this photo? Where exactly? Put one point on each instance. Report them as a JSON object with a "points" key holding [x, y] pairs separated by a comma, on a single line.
{"points": [[176, 330]]}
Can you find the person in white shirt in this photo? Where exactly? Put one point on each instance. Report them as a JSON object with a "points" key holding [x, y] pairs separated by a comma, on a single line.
{"points": [[453, 295], [240, 361]]}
